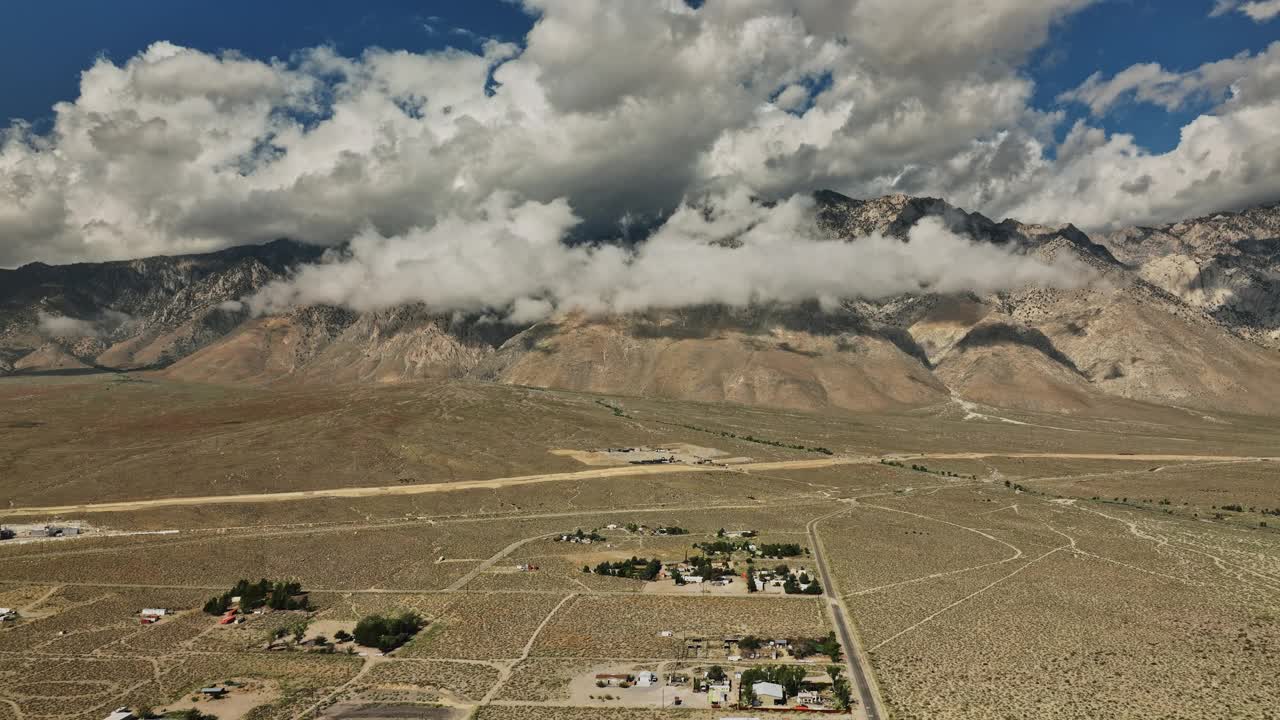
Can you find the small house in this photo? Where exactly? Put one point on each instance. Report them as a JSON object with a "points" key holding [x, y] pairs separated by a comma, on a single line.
{"points": [[123, 713], [646, 679], [812, 698], [213, 692]]}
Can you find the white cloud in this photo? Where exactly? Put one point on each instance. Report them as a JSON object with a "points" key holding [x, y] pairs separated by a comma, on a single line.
{"points": [[611, 110], [510, 258], [1258, 10], [1225, 159], [61, 326], [1245, 78]]}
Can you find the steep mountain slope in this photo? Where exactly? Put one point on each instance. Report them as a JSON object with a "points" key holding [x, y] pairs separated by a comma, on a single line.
{"points": [[795, 358], [135, 313], [333, 345], [1227, 264]]}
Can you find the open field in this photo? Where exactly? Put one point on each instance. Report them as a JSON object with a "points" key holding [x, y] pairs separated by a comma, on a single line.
{"points": [[1029, 571]]}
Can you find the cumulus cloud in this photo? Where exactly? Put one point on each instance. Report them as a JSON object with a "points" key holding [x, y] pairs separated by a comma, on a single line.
{"points": [[613, 111], [1258, 10], [510, 258], [1226, 158], [1244, 78]]}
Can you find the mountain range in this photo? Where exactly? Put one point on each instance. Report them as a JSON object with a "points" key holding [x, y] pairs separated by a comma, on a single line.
{"points": [[1185, 315]]}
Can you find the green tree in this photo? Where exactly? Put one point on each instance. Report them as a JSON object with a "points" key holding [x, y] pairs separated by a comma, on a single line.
{"points": [[843, 696], [790, 677], [387, 632]]}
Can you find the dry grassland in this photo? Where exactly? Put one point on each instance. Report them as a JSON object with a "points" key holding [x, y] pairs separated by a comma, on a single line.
{"points": [[628, 627], [872, 547], [1202, 489], [399, 558], [1074, 637], [353, 606], [465, 681], [1104, 613], [539, 680], [484, 627]]}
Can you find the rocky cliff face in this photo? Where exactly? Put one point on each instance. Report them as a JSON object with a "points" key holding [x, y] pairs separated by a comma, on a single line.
{"points": [[1186, 315], [1227, 264]]}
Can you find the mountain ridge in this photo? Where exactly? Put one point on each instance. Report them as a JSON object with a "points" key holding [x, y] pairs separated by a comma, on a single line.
{"points": [[1195, 338]]}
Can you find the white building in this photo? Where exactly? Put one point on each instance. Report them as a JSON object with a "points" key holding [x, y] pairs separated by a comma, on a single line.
{"points": [[123, 713], [769, 690], [646, 679], [154, 612]]}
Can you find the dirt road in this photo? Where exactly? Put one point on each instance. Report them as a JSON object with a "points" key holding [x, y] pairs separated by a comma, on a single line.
{"points": [[591, 474], [379, 491]]}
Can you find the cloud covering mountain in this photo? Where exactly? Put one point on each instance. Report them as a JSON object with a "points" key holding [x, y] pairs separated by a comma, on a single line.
{"points": [[512, 258], [616, 111]]}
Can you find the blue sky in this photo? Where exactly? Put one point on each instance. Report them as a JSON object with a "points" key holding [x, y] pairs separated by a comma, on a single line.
{"points": [[1111, 36], [42, 54]]}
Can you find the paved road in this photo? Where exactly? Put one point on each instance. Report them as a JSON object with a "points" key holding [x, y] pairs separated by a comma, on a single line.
{"points": [[855, 658]]}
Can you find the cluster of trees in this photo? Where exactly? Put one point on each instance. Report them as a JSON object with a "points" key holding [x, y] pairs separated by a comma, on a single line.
{"points": [[925, 469], [770, 550], [670, 530], [704, 568], [781, 550], [752, 438], [840, 690], [617, 411], [278, 595], [790, 677], [638, 568], [387, 632], [802, 585], [593, 536], [804, 647], [721, 547]]}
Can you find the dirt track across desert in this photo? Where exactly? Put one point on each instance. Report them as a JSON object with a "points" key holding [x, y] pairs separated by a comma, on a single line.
{"points": [[595, 473]]}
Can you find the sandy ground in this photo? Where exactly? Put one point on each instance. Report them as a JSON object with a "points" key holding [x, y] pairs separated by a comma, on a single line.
{"points": [[237, 703], [582, 687]]}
